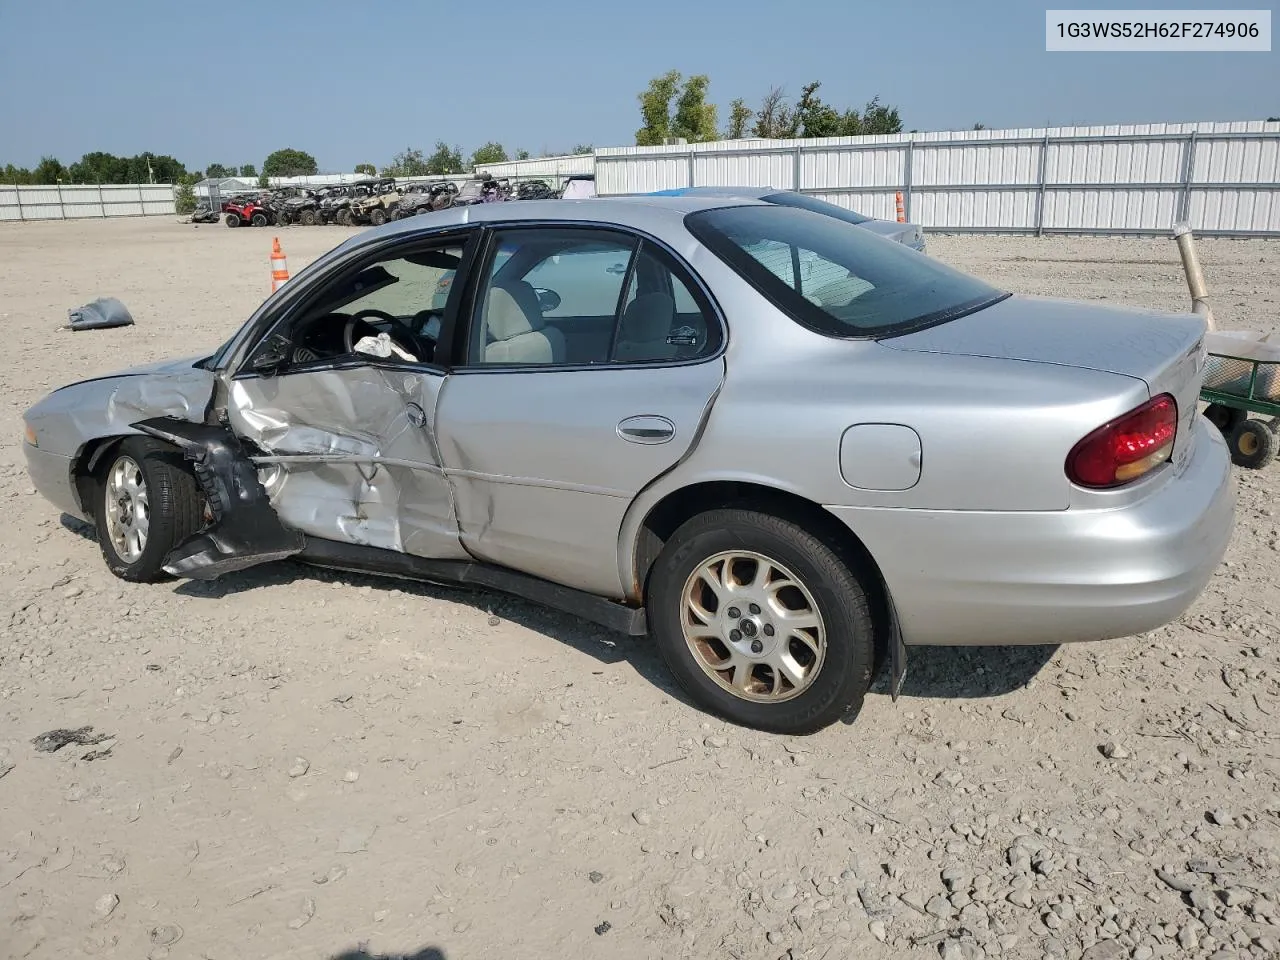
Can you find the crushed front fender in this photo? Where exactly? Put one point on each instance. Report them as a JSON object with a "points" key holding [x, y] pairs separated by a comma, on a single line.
{"points": [[246, 530]]}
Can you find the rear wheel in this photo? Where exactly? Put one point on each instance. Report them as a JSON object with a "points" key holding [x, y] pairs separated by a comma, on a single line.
{"points": [[762, 622], [233, 220], [378, 216], [1253, 444], [308, 218], [148, 503], [260, 219], [344, 217]]}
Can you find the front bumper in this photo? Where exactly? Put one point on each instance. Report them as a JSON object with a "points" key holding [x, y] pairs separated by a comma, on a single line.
{"points": [[982, 578], [51, 476]]}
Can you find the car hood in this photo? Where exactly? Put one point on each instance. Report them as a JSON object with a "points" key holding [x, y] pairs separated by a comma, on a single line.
{"points": [[1124, 340], [181, 365]]}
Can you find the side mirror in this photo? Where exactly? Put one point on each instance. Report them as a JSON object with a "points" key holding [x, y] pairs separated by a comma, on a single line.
{"points": [[547, 299], [271, 354]]}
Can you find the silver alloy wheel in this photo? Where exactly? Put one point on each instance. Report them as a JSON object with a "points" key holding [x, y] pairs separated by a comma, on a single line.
{"points": [[752, 626], [128, 509]]}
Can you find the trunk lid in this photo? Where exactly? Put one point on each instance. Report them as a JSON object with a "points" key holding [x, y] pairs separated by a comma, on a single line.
{"points": [[1165, 350]]}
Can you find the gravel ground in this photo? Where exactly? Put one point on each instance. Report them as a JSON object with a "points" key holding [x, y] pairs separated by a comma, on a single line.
{"points": [[314, 765]]}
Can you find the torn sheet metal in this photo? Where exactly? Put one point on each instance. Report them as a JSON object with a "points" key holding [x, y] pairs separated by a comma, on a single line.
{"points": [[352, 456], [246, 531], [100, 314]]}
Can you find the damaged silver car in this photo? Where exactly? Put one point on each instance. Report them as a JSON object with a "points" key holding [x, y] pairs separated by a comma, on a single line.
{"points": [[783, 446]]}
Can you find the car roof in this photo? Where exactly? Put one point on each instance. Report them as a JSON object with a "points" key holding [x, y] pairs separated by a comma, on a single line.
{"points": [[634, 211]]}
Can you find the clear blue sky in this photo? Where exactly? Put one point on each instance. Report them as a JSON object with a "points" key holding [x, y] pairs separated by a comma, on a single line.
{"points": [[355, 82]]}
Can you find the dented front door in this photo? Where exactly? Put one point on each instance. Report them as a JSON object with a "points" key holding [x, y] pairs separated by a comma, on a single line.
{"points": [[352, 456]]}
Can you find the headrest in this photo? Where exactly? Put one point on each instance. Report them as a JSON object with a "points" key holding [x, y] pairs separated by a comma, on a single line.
{"points": [[648, 318], [511, 310]]}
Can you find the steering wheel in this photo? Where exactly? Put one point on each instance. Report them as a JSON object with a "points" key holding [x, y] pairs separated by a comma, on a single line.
{"points": [[349, 331]]}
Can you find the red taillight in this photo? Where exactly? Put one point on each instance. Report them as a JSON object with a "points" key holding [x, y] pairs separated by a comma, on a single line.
{"points": [[1126, 448]]}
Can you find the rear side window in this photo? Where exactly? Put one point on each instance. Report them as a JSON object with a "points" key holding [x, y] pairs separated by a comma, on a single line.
{"points": [[834, 277]]}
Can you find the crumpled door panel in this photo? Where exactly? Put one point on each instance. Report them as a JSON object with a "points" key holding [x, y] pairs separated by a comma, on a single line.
{"points": [[351, 456]]}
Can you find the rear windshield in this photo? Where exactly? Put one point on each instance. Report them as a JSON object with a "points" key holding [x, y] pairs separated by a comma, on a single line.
{"points": [[834, 277]]}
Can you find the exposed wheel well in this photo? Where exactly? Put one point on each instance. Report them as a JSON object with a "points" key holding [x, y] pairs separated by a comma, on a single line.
{"points": [[84, 472], [683, 504]]}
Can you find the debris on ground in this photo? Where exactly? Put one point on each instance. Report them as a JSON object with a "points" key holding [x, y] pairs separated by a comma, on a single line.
{"points": [[99, 315], [55, 740]]}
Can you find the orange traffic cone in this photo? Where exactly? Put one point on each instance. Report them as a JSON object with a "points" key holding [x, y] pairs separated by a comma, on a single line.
{"points": [[902, 213], [279, 266]]}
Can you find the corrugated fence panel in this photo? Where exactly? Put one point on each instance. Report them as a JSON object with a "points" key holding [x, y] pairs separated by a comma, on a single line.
{"points": [[563, 166], [1223, 177], [1011, 163], [973, 209], [826, 167], [81, 201], [774, 168]]}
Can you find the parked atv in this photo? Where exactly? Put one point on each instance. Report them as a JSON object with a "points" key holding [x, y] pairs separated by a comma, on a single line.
{"points": [[418, 198], [241, 210], [535, 190], [484, 190], [301, 209]]}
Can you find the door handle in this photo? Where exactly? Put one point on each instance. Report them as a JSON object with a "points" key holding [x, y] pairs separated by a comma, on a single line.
{"points": [[646, 429]]}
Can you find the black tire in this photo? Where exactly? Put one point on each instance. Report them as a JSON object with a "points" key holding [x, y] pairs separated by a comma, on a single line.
{"points": [[1253, 444], [233, 220], [838, 595], [377, 216], [260, 219], [425, 208], [1225, 418], [176, 508], [344, 217], [308, 218]]}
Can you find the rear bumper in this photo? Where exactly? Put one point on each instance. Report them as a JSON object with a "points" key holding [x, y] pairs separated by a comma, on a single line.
{"points": [[981, 578], [51, 476]]}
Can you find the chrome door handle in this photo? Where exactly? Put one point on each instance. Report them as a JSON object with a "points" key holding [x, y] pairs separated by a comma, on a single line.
{"points": [[646, 429]]}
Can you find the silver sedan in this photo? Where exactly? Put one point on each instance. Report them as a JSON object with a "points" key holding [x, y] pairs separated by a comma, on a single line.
{"points": [[784, 447]]}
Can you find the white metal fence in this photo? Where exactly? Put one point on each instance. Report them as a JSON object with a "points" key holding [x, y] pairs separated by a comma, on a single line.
{"points": [[74, 202], [1224, 178]]}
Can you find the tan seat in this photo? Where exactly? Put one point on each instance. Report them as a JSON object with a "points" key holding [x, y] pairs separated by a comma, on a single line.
{"points": [[517, 331], [646, 327]]}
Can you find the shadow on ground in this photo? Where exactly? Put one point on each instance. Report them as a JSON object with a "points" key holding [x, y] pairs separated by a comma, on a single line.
{"points": [[940, 673], [968, 672], [359, 953]]}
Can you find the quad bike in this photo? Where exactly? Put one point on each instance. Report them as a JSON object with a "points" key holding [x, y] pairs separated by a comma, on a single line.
{"points": [[204, 213], [484, 190], [254, 210], [419, 198], [301, 209]]}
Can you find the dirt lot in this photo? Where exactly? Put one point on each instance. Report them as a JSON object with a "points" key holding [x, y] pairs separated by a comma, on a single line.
{"points": [[314, 765]]}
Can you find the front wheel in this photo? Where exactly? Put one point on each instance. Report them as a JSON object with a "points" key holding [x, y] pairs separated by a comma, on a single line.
{"points": [[233, 219], [378, 216], [148, 503], [1253, 444], [260, 220], [762, 622]]}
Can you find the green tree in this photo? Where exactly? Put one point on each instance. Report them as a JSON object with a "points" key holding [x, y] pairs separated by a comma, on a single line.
{"points": [[739, 116], [409, 162], [289, 163], [248, 171], [16, 175], [522, 154], [876, 118], [446, 159], [814, 118], [979, 126], [368, 169], [217, 171], [693, 118], [99, 167], [491, 152], [49, 170], [655, 109], [582, 149]]}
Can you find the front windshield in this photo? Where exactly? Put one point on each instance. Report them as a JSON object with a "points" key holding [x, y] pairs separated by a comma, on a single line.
{"points": [[833, 277]]}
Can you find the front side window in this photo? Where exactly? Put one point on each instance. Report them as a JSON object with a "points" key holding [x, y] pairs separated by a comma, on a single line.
{"points": [[389, 310], [834, 277], [572, 296]]}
